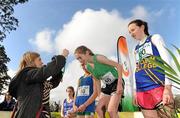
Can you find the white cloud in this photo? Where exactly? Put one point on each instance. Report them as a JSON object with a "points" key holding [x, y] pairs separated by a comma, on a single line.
{"points": [[72, 73], [11, 73], [43, 41], [159, 13], [97, 29], [139, 12]]}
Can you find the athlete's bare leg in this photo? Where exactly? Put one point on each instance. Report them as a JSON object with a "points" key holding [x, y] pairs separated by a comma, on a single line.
{"points": [[103, 101], [113, 105]]}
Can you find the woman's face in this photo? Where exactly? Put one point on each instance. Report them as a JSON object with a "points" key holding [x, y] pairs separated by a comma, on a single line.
{"points": [[82, 58], [136, 32], [69, 92], [8, 97], [38, 63]]}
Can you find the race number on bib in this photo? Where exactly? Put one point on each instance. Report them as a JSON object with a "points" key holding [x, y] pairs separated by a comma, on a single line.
{"points": [[108, 78], [83, 91], [144, 51]]}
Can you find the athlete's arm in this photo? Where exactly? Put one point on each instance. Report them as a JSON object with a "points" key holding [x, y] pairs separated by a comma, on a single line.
{"points": [[62, 110], [77, 89], [94, 95], [98, 86], [105, 60], [74, 105], [158, 41]]}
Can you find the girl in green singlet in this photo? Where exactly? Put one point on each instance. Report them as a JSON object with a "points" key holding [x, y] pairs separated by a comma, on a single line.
{"points": [[109, 73]]}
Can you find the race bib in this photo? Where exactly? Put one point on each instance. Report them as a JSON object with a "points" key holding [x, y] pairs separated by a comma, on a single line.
{"points": [[83, 90], [108, 78], [143, 52]]}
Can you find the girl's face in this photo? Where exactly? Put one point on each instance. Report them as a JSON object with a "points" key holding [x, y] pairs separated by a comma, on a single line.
{"points": [[8, 97], [69, 92], [82, 58], [136, 32], [38, 63]]}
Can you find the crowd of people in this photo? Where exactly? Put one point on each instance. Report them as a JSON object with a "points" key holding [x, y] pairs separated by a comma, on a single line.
{"points": [[102, 78]]}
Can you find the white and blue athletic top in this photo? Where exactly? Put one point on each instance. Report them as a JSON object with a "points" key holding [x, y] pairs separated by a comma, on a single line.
{"points": [[67, 106], [146, 75]]}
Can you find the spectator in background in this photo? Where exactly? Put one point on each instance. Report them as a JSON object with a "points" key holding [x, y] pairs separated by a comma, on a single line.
{"points": [[68, 102], [8, 103], [56, 105]]}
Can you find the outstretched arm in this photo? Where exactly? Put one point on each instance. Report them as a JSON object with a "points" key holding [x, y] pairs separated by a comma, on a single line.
{"points": [[51, 69]]}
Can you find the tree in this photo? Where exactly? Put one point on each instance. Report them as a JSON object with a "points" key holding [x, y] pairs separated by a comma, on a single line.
{"points": [[7, 23], [4, 77]]}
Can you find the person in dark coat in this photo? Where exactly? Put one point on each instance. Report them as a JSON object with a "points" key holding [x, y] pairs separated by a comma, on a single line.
{"points": [[31, 86], [8, 103]]}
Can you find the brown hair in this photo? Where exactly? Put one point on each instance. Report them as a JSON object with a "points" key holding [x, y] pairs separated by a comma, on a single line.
{"points": [[139, 23], [28, 60], [82, 50], [72, 88]]}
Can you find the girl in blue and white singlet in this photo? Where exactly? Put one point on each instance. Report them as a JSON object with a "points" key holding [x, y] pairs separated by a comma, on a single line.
{"points": [[85, 96], [68, 102], [152, 87]]}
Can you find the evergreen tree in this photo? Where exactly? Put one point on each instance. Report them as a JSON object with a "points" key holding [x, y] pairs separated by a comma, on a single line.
{"points": [[4, 77], [7, 23]]}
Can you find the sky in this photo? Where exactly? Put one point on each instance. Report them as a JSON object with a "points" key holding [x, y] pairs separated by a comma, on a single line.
{"points": [[48, 26]]}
